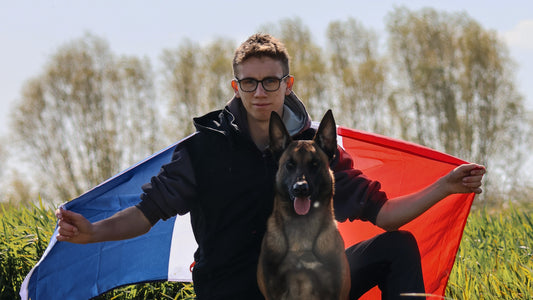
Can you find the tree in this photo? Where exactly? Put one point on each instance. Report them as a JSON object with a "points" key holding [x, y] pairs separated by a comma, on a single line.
{"points": [[86, 117], [181, 79], [358, 76], [195, 79], [307, 63], [447, 83], [454, 85], [3, 160], [217, 67]]}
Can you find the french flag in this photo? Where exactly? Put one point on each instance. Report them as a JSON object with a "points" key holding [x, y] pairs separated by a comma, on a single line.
{"points": [[165, 253], [72, 271]]}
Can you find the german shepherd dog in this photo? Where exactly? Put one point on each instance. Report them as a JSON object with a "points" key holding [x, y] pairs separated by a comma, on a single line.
{"points": [[302, 254]]}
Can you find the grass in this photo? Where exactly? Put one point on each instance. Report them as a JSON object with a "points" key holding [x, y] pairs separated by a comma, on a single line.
{"points": [[24, 235], [494, 261], [495, 258]]}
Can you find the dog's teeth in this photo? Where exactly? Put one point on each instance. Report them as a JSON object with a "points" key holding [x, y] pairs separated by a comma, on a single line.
{"points": [[316, 204]]}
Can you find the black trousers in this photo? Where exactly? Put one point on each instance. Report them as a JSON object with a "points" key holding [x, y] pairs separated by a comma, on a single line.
{"points": [[390, 260]]}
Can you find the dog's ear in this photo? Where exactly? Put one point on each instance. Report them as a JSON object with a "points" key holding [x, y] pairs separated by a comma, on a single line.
{"points": [[326, 135], [278, 135]]}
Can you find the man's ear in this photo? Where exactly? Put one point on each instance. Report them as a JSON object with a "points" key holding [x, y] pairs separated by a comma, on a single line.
{"points": [[278, 135], [326, 135], [290, 83], [235, 86]]}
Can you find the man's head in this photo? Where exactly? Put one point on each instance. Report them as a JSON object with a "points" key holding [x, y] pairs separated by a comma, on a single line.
{"points": [[261, 45], [262, 80]]}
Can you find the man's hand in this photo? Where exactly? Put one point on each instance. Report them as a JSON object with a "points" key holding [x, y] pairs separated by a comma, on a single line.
{"points": [[125, 224], [73, 227], [465, 179], [401, 210]]}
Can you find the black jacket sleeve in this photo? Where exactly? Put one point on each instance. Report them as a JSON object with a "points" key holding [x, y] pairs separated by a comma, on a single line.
{"points": [[169, 193], [356, 196]]}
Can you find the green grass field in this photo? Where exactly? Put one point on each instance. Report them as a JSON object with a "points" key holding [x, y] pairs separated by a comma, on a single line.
{"points": [[495, 259]]}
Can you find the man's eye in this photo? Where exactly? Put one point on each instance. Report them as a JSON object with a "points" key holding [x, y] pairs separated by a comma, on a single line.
{"points": [[248, 82], [270, 81]]}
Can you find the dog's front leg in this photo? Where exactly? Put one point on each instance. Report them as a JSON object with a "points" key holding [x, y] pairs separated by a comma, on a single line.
{"points": [[273, 252], [329, 249]]}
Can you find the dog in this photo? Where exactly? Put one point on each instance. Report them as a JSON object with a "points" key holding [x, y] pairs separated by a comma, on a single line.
{"points": [[302, 253]]}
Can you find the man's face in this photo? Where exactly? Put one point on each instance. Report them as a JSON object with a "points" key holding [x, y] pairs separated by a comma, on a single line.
{"points": [[260, 103]]}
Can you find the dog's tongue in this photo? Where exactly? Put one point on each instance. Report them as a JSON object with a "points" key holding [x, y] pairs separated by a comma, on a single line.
{"points": [[302, 205]]}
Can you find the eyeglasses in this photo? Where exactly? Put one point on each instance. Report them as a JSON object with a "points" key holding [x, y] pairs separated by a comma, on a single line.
{"points": [[270, 84]]}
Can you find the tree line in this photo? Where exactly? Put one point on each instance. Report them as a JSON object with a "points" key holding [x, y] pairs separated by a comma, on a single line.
{"points": [[440, 80]]}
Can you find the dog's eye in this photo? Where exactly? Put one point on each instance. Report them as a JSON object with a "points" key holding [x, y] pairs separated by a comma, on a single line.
{"points": [[314, 164], [290, 165]]}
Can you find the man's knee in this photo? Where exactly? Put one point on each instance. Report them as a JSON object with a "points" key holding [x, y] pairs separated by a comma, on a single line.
{"points": [[401, 236], [403, 244]]}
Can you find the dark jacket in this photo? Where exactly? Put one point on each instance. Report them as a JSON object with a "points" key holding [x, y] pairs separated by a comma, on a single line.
{"points": [[227, 184]]}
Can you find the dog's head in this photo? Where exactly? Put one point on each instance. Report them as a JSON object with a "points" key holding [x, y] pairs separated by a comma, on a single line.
{"points": [[304, 176]]}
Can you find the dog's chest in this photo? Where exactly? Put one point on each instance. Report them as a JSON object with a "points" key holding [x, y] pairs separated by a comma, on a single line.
{"points": [[302, 260], [301, 232], [302, 238]]}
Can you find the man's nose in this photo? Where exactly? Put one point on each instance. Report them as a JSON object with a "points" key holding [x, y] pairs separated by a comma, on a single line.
{"points": [[260, 91]]}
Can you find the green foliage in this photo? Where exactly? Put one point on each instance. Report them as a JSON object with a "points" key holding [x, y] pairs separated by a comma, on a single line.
{"points": [[149, 291], [440, 79], [24, 235], [86, 116], [458, 78], [495, 259]]}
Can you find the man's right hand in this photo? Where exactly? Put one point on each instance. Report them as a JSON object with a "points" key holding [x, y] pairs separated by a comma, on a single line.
{"points": [[73, 227], [125, 224]]}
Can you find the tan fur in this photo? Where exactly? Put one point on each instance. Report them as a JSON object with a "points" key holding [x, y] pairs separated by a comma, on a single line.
{"points": [[303, 256]]}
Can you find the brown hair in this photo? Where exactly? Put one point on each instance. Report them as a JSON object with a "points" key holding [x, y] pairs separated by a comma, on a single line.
{"points": [[259, 45]]}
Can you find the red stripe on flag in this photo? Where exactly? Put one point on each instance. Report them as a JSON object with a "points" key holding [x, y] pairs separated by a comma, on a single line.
{"points": [[404, 168]]}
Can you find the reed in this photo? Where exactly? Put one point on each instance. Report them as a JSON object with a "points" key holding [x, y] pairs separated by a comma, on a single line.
{"points": [[494, 261]]}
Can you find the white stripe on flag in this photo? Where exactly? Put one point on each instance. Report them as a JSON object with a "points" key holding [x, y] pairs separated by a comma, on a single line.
{"points": [[182, 250], [24, 286], [340, 141]]}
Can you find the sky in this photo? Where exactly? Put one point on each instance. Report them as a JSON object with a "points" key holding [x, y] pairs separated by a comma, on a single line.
{"points": [[31, 31]]}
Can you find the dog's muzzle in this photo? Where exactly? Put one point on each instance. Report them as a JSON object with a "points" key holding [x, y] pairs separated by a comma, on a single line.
{"points": [[301, 197]]}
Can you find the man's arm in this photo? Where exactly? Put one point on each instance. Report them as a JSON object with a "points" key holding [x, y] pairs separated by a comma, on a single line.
{"points": [[125, 224], [399, 211]]}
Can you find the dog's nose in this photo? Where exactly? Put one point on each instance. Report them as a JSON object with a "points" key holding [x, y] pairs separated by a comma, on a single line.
{"points": [[301, 188]]}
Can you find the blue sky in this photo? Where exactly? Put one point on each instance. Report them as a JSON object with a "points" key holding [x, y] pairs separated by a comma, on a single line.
{"points": [[30, 31]]}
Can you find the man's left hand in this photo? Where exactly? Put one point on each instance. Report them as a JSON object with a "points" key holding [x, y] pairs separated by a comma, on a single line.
{"points": [[466, 179]]}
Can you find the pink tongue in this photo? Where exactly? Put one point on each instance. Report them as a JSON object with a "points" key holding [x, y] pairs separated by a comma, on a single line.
{"points": [[302, 205]]}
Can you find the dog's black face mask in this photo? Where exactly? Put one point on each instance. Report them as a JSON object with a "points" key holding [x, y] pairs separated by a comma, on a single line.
{"points": [[304, 175]]}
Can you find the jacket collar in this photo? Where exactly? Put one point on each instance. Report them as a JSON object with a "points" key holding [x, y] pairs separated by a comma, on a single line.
{"points": [[233, 117]]}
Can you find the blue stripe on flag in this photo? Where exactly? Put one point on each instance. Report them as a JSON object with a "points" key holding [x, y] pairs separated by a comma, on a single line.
{"points": [[71, 271]]}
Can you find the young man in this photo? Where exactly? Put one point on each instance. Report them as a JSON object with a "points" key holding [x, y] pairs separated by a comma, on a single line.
{"points": [[223, 176]]}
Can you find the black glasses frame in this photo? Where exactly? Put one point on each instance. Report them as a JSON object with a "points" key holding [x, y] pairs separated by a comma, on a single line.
{"points": [[262, 83]]}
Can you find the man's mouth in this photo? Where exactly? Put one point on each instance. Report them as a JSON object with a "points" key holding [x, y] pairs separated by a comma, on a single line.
{"points": [[261, 104]]}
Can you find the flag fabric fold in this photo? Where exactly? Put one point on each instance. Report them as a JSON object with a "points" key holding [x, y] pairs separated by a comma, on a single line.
{"points": [[70, 271], [403, 168]]}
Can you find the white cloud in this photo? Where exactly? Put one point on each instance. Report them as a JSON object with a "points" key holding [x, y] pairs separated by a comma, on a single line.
{"points": [[521, 36]]}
